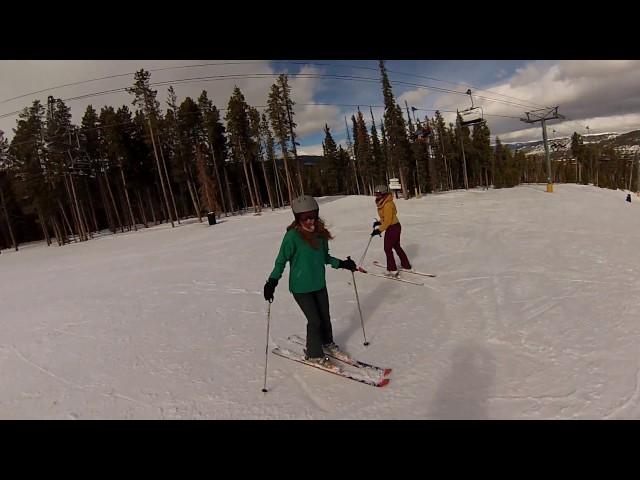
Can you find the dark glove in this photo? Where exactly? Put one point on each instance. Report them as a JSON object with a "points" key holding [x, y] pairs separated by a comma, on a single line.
{"points": [[269, 288], [348, 264], [376, 223], [375, 232]]}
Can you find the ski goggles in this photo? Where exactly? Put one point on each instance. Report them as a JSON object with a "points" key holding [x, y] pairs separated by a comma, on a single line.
{"points": [[304, 216]]}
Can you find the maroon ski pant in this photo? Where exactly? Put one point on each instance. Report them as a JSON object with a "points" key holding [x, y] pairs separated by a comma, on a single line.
{"points": [[392, 242]]}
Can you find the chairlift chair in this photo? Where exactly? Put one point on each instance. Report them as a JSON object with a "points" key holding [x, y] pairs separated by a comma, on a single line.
{"points": [[471, 116]]}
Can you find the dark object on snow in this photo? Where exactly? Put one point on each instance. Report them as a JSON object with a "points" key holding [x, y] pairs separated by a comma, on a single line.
{"points": [[629, 197], [212, 218]]}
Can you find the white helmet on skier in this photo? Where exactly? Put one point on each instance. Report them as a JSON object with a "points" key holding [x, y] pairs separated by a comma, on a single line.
{"points": [[304, 203]]}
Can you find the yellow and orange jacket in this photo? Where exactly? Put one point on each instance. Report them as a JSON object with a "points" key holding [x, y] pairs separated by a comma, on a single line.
{"points": [[387, 212]]}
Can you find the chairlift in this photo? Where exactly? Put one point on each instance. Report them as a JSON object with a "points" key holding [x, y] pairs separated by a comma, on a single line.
{"points": [[471, 116], [423, 132]]}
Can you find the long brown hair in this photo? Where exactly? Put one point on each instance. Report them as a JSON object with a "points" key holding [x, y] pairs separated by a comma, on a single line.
{"points": [[312, 237]]}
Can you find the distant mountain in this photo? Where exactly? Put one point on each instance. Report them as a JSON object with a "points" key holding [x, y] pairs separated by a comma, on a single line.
{"points": [[308, 160], [561, 146]]}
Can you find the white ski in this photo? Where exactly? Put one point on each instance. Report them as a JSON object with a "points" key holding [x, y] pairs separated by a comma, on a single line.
{"points": [[378, 264], [397, 279], [336, 370]]}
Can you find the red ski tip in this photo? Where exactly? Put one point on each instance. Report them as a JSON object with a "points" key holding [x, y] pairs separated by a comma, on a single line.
{"points": [[383, 382], [387, 371], [362, 270]]}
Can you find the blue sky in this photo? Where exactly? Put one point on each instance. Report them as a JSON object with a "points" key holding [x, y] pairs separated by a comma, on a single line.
{"points": [[602, 94]]}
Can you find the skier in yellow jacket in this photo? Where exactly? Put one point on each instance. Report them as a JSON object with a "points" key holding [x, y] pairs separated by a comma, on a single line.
{"points": [[389, 224]]}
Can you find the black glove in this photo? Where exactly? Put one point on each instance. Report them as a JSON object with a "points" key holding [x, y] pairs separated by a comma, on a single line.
{"points": [[375, 232], [376, 223], [348, 264], [269, 288]]}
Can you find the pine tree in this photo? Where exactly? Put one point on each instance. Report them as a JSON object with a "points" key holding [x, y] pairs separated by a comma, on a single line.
{"points": [[270, 151], [377, 155], [240, 138], [145, 100], [5, 186], [363, 153], [399, 147], [287, 103], [207, 186], [256, 152], [332, 175], [577, 151], [278, 117], [343, 169], [214, 136], [481, 142]]}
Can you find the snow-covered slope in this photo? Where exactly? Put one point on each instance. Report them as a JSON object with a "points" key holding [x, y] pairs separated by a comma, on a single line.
{"points": [[534, 314]]}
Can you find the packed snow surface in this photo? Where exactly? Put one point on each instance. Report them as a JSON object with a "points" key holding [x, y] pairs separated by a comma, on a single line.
{"points": [[534, 314]]}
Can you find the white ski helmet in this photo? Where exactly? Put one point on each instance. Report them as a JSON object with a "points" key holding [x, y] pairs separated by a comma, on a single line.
{"points": [[304, 203], [381, 189]]}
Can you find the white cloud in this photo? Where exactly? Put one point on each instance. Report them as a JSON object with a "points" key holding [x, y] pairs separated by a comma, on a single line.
{"points": [[415, 98]]}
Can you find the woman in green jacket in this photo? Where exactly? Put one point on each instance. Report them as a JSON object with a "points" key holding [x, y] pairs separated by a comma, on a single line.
{"points": [[306, 247]]}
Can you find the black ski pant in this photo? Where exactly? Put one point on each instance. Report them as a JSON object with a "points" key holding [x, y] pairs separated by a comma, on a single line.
{"points": [[315, 306]]}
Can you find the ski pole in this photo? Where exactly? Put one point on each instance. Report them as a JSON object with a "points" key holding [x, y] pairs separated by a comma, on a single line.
{"points": [[353, 277], [365, 252], [266, 350]]}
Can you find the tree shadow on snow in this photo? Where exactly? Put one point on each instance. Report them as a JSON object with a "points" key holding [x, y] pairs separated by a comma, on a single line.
{"points": [[464, 392]]}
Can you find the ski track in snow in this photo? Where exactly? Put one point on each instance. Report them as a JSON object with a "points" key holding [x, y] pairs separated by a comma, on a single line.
{"points": [[632, 400], [73, 384]]}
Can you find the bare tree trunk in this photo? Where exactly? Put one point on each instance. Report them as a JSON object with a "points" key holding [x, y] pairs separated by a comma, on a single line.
{"points": [[83, 233], [404, 183], [226, 180], [113, 201], [164, 164], [242, 194], [155, 151], [266, 181], [83, 212], [290, 189], [215, 167], [93, 210], [56, 232], [74, 213], [107, 207], [64, 226], [126, 193], [278, 184], [141, 207], [196, 204], [255, 187], [153, 212], [44, 227], [6, 216], [191, 184], [246, 175], [64, 216]]}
